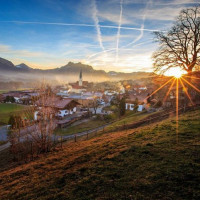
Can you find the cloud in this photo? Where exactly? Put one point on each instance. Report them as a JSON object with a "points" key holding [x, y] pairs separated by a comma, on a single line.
{"points": [[81, 25], [5, 49], [106, 32], [142, 25], [118, 31], [96, 21], [130, 59]]}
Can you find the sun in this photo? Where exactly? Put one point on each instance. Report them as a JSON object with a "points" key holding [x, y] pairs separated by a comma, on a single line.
{"points": [[175, 71]]}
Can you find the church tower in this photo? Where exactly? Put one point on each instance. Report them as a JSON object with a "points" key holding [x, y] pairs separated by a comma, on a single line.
{"points": [[80, 79]]}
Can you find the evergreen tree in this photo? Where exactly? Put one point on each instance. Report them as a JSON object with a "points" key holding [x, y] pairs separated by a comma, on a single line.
{"points": [[122, 107]]}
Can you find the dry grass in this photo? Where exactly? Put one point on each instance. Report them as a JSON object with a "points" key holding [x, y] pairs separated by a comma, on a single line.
{"points": [[144, 163]]}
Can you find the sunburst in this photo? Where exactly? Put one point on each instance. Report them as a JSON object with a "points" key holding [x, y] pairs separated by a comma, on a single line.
{"points": [[177, 77]]}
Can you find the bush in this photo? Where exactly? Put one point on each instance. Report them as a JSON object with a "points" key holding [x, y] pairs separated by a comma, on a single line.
{"points": [[15, 122], [108, 118], [9, 99]]}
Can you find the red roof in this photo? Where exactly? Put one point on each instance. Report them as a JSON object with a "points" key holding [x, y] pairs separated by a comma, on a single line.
{"points": [[77, 87], [55, 102]]}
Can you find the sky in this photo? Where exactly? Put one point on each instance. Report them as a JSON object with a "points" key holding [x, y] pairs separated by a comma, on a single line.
{"points": [[111, 35]]}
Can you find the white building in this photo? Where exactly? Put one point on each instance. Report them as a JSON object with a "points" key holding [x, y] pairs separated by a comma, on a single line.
{"points": [[130, 106]]}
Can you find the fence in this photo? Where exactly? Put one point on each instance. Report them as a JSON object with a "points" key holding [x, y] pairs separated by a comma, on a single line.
{"points": [[109, 128], [28, 150]]}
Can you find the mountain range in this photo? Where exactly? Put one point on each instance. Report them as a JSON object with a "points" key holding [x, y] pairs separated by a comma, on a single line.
{"points": [[7, 67]]}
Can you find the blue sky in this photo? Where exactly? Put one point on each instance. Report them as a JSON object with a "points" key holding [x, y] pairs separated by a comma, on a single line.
{"points": [[107, 34]]}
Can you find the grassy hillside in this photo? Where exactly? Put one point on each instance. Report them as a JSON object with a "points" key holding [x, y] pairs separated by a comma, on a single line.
{"points": [[144, 163], [129, 118]]}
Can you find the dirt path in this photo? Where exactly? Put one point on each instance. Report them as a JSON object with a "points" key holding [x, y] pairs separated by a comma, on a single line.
{"points": [[4, 146]]}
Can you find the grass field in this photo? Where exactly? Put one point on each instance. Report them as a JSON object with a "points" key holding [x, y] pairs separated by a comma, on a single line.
{"points": [[130, 117], [143, 163], [92, 123], [7, 109], [19, 89], [2, 91]]}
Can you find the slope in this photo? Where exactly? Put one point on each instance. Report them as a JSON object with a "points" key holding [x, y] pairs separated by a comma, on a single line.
{"points": [[142, 163]]}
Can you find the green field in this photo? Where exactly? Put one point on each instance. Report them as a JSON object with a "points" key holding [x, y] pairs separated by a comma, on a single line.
{"points": [[19, 89], [152, 162], [129, 118], [91, 124], [2, 91], [7, 109]]}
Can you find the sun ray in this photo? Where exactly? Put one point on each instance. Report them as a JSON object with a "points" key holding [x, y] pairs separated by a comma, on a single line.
{"points": [[191, 85], [165, 98], [192, 77], [159, 88], [177, 101], [186, 92]]}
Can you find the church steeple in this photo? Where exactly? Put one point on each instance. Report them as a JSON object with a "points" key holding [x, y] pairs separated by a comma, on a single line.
{"points": [[80, 79]]}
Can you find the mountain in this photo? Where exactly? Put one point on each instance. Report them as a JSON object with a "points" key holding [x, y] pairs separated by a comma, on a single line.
{"points": [[6, 65], [69, 69], [23, 67], [74, 68]]}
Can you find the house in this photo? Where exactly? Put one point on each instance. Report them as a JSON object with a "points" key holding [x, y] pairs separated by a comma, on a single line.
{"points": [[132, 98], [14, 94], [63, 93], [131, 106], [57, 106], [22, 97]]}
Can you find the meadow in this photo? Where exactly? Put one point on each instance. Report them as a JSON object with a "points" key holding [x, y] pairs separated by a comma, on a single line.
{"points": [[8, 109], [3, 91], [150, 162], [92, 123]]}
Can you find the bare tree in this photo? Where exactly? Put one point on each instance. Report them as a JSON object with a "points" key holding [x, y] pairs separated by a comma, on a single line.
{"points": [[180, 46], [30, 137], [94, 104]]}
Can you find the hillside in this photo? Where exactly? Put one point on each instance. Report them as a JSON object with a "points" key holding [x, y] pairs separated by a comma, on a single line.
{"points": [[6, 65], [143, 163]]}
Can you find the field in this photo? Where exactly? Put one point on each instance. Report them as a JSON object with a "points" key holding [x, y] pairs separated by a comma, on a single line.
{"points": [[19, 89], [130, 117], [151, 162], [92, 123], [2, 91], [7, 109]]}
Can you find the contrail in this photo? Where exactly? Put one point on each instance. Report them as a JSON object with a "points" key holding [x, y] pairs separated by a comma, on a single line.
{"points": [[96, 21], [84, 25], [114, 49], [138, 38], [95, 54], [142, 26], [119, 28]]}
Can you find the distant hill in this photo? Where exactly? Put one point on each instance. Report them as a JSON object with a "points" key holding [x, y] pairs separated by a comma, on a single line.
{"points": [[69, 69], [23, 67], [6, 65]]}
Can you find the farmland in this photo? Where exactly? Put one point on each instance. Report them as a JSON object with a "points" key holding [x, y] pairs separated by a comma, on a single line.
{"points": [[7, 109]]}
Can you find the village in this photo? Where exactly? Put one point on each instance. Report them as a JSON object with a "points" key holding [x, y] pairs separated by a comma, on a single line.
{"points": [[69, 103], [100, 100]]}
